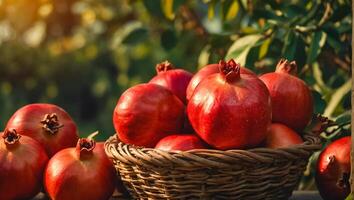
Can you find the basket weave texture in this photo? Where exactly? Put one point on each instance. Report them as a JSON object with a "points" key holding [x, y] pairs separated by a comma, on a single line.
{"points": [[259, 173]]}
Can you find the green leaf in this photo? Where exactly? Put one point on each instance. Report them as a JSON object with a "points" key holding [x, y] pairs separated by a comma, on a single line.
{"points": [[153, 7], [130, 33], [334, 43], [264, 48], [300, 54], [211, 10], [317, 41], [344, 117], [290, 45], [136, 36], [244, 3], [337, 97], [232, 11], [168, 39], [319, 103], [203, 58], [240, 48], [252, 57], [167, 8], [317, 74]]}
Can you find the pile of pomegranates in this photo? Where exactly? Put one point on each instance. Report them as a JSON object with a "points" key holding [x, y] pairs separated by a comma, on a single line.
{"points": [[223, 106], [40, 148]]}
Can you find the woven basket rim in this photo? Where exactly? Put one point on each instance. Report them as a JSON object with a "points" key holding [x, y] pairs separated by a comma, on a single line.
{"points": [[309, 141], [131, 154]]}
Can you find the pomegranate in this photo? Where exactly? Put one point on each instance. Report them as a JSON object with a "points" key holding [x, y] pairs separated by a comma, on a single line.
{"points": [[292, 102], [230, 110], [146, 113], [84, 172], [181, 142], [23, 161], [280, 135], [208, 70], [49, 124], [333, 170], [175, 80]]}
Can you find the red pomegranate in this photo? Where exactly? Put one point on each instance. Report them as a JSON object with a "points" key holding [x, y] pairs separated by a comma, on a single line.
{"points": [[230, 110], [175, 80], [333, 170], [49, 124], [84, 172], [181, 142], [22, 163], [292, 102], [208, 70], [146, 113], [280, 135]]}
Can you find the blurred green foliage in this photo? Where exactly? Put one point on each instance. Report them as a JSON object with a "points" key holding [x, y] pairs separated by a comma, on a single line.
{"points": [[82, 54]]}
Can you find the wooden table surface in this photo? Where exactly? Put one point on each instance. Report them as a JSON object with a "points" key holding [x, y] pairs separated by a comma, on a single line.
{"points": [[298, 195]]}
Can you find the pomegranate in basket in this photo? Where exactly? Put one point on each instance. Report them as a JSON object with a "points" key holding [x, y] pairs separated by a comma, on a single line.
{"points": [[181, 142], [209, 70], [230, 110], [146, 113], [280, 135], [175, 80], [292, 102]]}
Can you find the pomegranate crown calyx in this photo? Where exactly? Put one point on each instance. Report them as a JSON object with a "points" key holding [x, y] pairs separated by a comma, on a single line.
{"points": [[284, 66], [85, 146], [11, 137], [51, 123], [164, 66], [230, 70]]}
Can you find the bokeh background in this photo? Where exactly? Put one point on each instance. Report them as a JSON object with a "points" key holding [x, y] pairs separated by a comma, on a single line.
{"points": [[82, 54]]}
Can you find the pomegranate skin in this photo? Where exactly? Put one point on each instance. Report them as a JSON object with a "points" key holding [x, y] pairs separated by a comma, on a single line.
{"points": [[333, 170], [28, 121], [181, 142], [206, 71], [229, 110], [292, 102], [21, 168], [175, 80], [280, 135], [146, 113], [71, 175]]}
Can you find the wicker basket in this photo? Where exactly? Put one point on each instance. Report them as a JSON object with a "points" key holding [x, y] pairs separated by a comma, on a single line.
{"points": [[258, 173]]}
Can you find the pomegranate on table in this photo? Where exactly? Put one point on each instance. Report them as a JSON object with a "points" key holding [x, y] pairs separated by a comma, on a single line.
{"points": [[333, 170], [175, 80], [146, 113], [209, 70], [22, 163], [292, 102], [49, 124], [230, 110], [181, 142], [280, 135], [84, 172]]}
